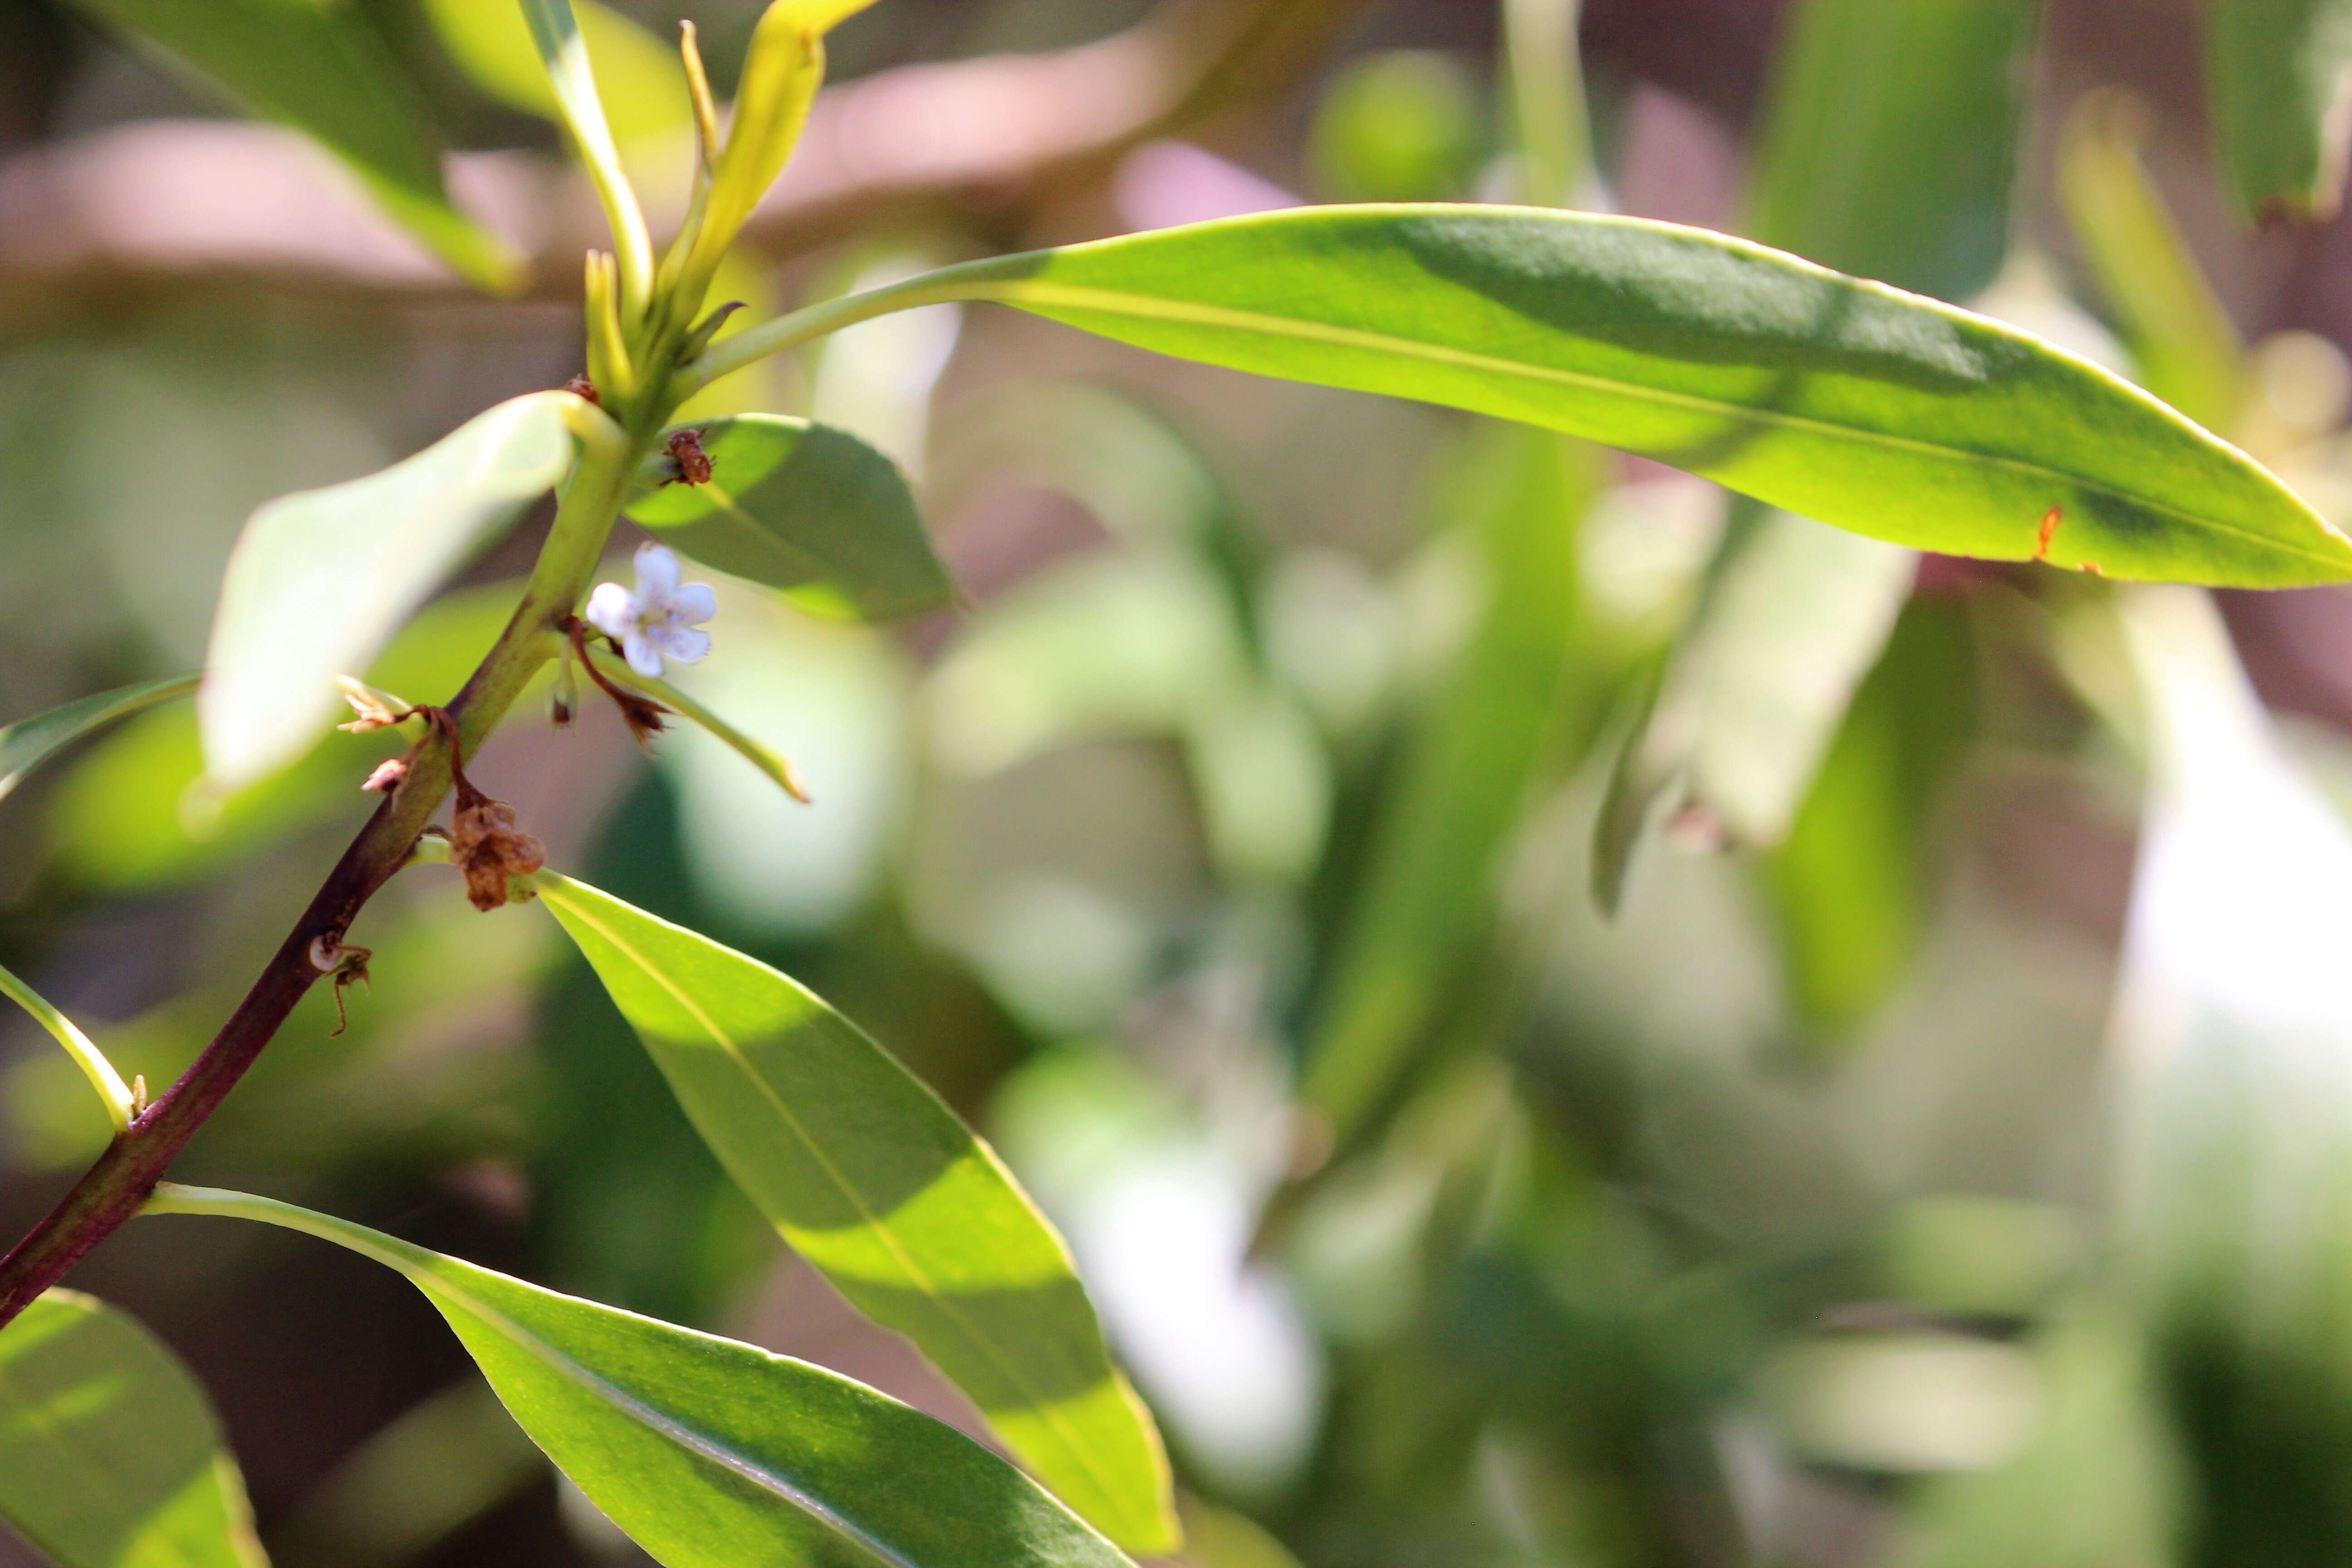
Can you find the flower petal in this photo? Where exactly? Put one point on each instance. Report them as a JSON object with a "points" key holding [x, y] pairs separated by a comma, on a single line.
{"points": [[612, 610], [642, 654], [656, 574], [693, 604], [683, 643]]}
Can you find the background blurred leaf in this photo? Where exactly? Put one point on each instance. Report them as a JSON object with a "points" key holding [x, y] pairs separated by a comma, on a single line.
{"points": [[801, 506], [708, 1451], [320, 66], [1468, 774], [1884, 414], [2278, 73], [639, 78], [109, 1455], [25, 744], [321, 579], [417, 1481], [123, 816], [2183, 343], [874, 1180]]}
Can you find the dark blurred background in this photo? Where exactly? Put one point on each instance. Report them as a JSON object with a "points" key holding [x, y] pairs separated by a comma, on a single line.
{"points": [[1729, 1232]]}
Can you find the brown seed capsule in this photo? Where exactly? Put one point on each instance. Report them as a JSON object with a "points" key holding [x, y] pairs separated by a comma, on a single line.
{"points": [[487, 848], [687, 457]]}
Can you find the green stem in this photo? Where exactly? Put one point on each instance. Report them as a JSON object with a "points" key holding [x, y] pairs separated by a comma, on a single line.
{"points": [[972, 281], [86, 1054], [1550, 120], [112, 1190], [760, 756], [171, 1198]]}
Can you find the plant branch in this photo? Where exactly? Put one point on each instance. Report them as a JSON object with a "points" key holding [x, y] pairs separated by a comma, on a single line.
{"points": [[112, 1190]]}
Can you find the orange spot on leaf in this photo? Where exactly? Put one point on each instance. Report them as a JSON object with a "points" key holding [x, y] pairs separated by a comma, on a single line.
{"points": [[2049, 521]]}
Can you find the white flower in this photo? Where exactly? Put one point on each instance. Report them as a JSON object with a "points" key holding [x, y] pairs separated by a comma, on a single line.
{"points": [[660, 617]]}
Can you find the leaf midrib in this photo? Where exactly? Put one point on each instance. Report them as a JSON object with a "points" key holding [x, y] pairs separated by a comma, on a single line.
{"points": [[1031, 293], [1048, 1410]]}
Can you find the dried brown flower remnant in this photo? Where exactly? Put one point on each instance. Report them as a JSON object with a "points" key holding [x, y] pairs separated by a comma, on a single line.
{"points": [[687, 457], [580, 387], [487, 847], [387, 776], [641, 714], [373, 710]]}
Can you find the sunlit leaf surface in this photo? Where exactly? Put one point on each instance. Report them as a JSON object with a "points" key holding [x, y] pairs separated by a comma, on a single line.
{"points": [[878, 1184], [321, 579], [109, 1456], [1880, 412], [713, 1454], [803, 505]]}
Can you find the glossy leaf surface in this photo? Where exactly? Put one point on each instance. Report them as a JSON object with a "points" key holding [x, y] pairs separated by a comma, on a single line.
{"points": [[803, 505], [109, 1455], [322, 68], [27, 743], [878, 1184], [2278, 74], [320, 580], [713, 1454], [1880, 412]]}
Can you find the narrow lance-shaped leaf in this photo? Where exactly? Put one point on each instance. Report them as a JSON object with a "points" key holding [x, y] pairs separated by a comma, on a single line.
{"points": [[109, 1454], [2184, 346], [320, 580], [322, 68], [1876, 411], [572, 81], [639, 80], [28, 742], [1887, 151], [878, 1184], [2278, 74], [1468, 773], [803, 507], [710, 1453]]}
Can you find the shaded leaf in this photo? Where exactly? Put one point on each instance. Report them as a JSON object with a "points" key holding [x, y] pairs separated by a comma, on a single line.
{"points": [[320, 580], [801, 506], [109, 1454], [1470, 770], [712, 1453], [27, 743], [1883, 413], [322, 68], [878, 1184], [2278, 75]]}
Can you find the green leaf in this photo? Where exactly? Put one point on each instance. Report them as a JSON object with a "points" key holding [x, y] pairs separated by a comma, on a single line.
{"points": [[874, 1182], [2279, 75], [321, 579], [28, 742], [1891, 137], [109, 1455], [320, 67], [2183, 343], [710, 1453], [1887, 151], [573, 83], [1883, 413], [1791, 616], [1472, 765], [640, 80], [801, 506]]}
